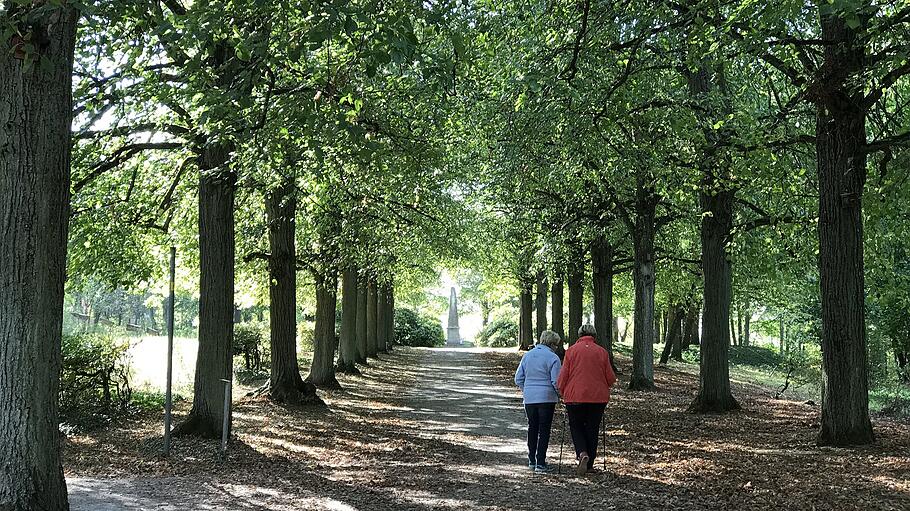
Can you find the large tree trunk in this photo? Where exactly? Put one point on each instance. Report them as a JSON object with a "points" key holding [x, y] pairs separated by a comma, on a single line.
{"points": [[576, 295], [525, 329], [35, 117], [643, 278], [372, 319], [716, 196], [217, 185], [602, 263], [285, 384], [714, 382], [557, 308], [347, 349], [322, 370], [363, 349], [841, 155], [541, 304]]}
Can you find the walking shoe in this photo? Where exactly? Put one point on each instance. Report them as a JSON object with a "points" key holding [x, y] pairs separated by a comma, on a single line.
{"points": [[543, 469], [582, 467], [532, 465]]}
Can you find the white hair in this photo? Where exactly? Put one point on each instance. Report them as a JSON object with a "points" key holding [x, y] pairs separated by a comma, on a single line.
{"points": [[549, 338], [587, 329]]}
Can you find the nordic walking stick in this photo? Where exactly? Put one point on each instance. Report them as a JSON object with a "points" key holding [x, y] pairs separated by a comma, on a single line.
{"points": [[562, 440]]}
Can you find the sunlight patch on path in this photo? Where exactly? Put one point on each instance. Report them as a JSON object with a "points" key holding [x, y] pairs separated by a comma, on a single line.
{"points": [[458, 400]]}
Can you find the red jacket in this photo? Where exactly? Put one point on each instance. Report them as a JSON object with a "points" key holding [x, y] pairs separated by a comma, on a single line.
{"points": [[586, 375]]}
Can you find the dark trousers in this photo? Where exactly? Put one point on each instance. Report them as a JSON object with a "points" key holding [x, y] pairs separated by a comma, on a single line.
{"points": [[540, 419], [584, 423]]}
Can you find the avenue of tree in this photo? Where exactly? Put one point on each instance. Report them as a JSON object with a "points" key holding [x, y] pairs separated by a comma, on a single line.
{"points": [[720, 156]]}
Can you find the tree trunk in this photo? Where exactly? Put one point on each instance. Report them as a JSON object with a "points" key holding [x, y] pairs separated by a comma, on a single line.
{"points": [[716, 195], [381, 312], [739, 326], [322, 370], [525, 331], [347, 349], [746, 338], [576, 296], [217, 185], [673, 341], [557, 308], [602, 264], [35, 118], [733, 340], [657, 324], [285, 383], [643, 278], [903, 365], [615, 329], [783, 341], [363, 349], [841, 155], [714, 382], [541, 304], [391, 317], [372, 319], [486, 308]]}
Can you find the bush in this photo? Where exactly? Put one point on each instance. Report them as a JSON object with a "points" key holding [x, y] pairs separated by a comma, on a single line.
{"points": [[500, 333], [248, 341], [413, 329], [757, 356], [94, 379]]}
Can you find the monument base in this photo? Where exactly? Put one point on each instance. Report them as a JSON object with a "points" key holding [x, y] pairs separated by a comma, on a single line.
{"points": [[453, 337]]}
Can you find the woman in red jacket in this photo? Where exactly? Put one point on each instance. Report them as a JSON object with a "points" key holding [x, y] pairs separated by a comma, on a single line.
{"points": [[584, 384]]}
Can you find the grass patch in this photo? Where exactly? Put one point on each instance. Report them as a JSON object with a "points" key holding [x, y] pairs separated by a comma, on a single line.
{"points": [[151, 401], [892, 400]]}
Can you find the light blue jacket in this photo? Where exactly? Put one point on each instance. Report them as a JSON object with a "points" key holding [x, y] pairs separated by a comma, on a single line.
{"points": [[537, 374]]}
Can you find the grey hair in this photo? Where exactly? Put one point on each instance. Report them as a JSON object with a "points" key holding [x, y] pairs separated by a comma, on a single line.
{"points": [[587, 329], [549, 338]]}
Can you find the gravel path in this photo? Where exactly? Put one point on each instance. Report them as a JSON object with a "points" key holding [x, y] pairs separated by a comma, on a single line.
{"points": [[455, 401], [439, 429]]}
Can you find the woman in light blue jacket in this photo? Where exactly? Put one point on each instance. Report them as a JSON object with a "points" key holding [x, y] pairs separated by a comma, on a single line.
{"points": [[536, 377]]}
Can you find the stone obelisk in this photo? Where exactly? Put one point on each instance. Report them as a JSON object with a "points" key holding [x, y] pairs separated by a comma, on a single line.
{"points": [[453, 336]]}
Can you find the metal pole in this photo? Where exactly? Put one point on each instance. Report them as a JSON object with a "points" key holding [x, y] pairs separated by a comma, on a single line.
{"points": [[170, 355], [227, 417]]}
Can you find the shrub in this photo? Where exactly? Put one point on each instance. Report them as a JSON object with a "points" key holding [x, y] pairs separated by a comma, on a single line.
{"points": [[500, 333], [413, 329], [757, 356], [94, 379], [248, 341]]}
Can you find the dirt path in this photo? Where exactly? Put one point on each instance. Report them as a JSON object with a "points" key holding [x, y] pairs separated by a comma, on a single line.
{"points": [[443, 429]]}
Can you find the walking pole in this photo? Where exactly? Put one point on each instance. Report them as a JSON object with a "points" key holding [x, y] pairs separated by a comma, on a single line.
{"points": [[603, 442], [562, 440]]}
